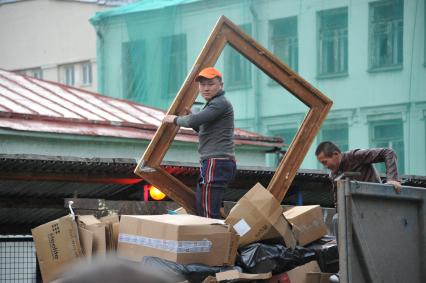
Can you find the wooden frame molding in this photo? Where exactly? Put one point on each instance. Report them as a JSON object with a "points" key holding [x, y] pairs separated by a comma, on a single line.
{"points": [[227, 32]]}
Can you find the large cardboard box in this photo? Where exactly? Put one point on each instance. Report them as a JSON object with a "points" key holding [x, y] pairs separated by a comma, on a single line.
{"points": [[181, 238], [255, 214], [307, 223], [57, 245]]}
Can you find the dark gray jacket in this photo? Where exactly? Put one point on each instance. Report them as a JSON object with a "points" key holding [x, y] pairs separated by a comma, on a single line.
{"points": [[215, 127]]}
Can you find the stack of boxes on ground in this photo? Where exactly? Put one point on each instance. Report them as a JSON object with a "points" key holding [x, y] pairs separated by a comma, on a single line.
{"points": [[63, 241], [257, 241]]}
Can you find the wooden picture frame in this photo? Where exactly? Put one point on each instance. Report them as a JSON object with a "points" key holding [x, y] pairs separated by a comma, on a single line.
{"points": [[227, 32]]}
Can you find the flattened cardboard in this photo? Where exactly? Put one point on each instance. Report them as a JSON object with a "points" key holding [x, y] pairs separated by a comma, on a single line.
{"points": [[231, 275], [255, 213], [57, 245], [307, 223], [181, 238], [111, 224], [115, 232], [91, 223], [86, 241]]}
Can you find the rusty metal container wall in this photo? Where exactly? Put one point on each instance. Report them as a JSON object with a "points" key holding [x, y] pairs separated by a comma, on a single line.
{"points": [[381, 234]]}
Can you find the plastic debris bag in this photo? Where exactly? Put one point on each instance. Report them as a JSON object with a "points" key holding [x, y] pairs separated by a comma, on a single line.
{"points": [[327, 253], [263, 258]]}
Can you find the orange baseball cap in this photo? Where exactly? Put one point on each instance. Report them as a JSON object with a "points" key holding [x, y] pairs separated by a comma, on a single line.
{"points": [[208, 73]]}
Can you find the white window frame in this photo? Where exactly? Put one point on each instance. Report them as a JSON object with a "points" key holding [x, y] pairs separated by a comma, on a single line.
{"points": [[233, 58], [373, 141], [288, 43], [86, 73], [177, 71], [338, 37], [133, 68], [69, 74], [392, 30]]}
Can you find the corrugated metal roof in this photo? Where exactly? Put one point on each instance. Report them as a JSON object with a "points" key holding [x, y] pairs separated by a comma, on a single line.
{"points": [[29, 104]]}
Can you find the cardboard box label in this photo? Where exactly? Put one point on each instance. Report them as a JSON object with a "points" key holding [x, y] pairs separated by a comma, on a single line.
{"points": [[203, 246], [241, 227]]}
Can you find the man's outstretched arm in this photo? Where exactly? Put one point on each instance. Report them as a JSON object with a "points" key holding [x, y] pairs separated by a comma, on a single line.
{"points": [[386, 155]]}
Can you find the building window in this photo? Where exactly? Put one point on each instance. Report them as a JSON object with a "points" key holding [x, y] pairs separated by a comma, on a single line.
{"points": [[388, 134], [333, 42], [175, 63], [68, 75], [133, 69], [386, 34], [284, 41], [36, 73], [86, 69], [336, 133], [237, 67]]}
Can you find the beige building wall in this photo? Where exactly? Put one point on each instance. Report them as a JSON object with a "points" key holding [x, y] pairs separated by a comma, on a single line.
{"points": [[50, 38]]}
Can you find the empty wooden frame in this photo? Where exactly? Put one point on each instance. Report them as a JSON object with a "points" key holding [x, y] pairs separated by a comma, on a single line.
{"points": [[227, 32]]}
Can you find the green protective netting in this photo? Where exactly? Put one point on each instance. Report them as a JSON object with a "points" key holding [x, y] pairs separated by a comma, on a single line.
{"points": [[368, 56]]}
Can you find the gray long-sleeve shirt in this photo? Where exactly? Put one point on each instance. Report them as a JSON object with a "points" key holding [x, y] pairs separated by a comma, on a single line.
{"points": [[215, 127]]}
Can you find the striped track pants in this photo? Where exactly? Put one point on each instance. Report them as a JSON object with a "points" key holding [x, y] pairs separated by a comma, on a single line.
{"points": [[215, 176]]}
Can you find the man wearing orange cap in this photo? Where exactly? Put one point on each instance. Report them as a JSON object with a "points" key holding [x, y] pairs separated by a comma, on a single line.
{"points": [[215, 127]]}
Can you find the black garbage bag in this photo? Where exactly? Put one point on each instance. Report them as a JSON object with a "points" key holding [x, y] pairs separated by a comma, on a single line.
{"points": [[327, 254], [262, 258], [192, 272]]}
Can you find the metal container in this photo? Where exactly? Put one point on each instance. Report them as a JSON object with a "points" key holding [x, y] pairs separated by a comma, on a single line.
{"points": [[381, 233]]}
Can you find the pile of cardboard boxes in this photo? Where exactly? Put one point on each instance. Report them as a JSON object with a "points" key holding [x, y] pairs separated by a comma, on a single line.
{"points": [[183, 238], [63, 241]]}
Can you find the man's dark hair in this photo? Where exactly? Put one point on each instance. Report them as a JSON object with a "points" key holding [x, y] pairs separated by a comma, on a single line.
{"points": [[327, 147]]}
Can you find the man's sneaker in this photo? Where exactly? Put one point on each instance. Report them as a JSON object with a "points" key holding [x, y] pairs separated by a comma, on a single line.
{"points": [[334, 278]]}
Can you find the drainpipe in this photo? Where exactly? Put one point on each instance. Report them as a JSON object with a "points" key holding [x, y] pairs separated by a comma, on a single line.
{"points": [[256, 84]]}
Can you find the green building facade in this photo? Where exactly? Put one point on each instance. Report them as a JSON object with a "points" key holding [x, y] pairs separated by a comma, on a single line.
{"points": [[368, 56]]}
